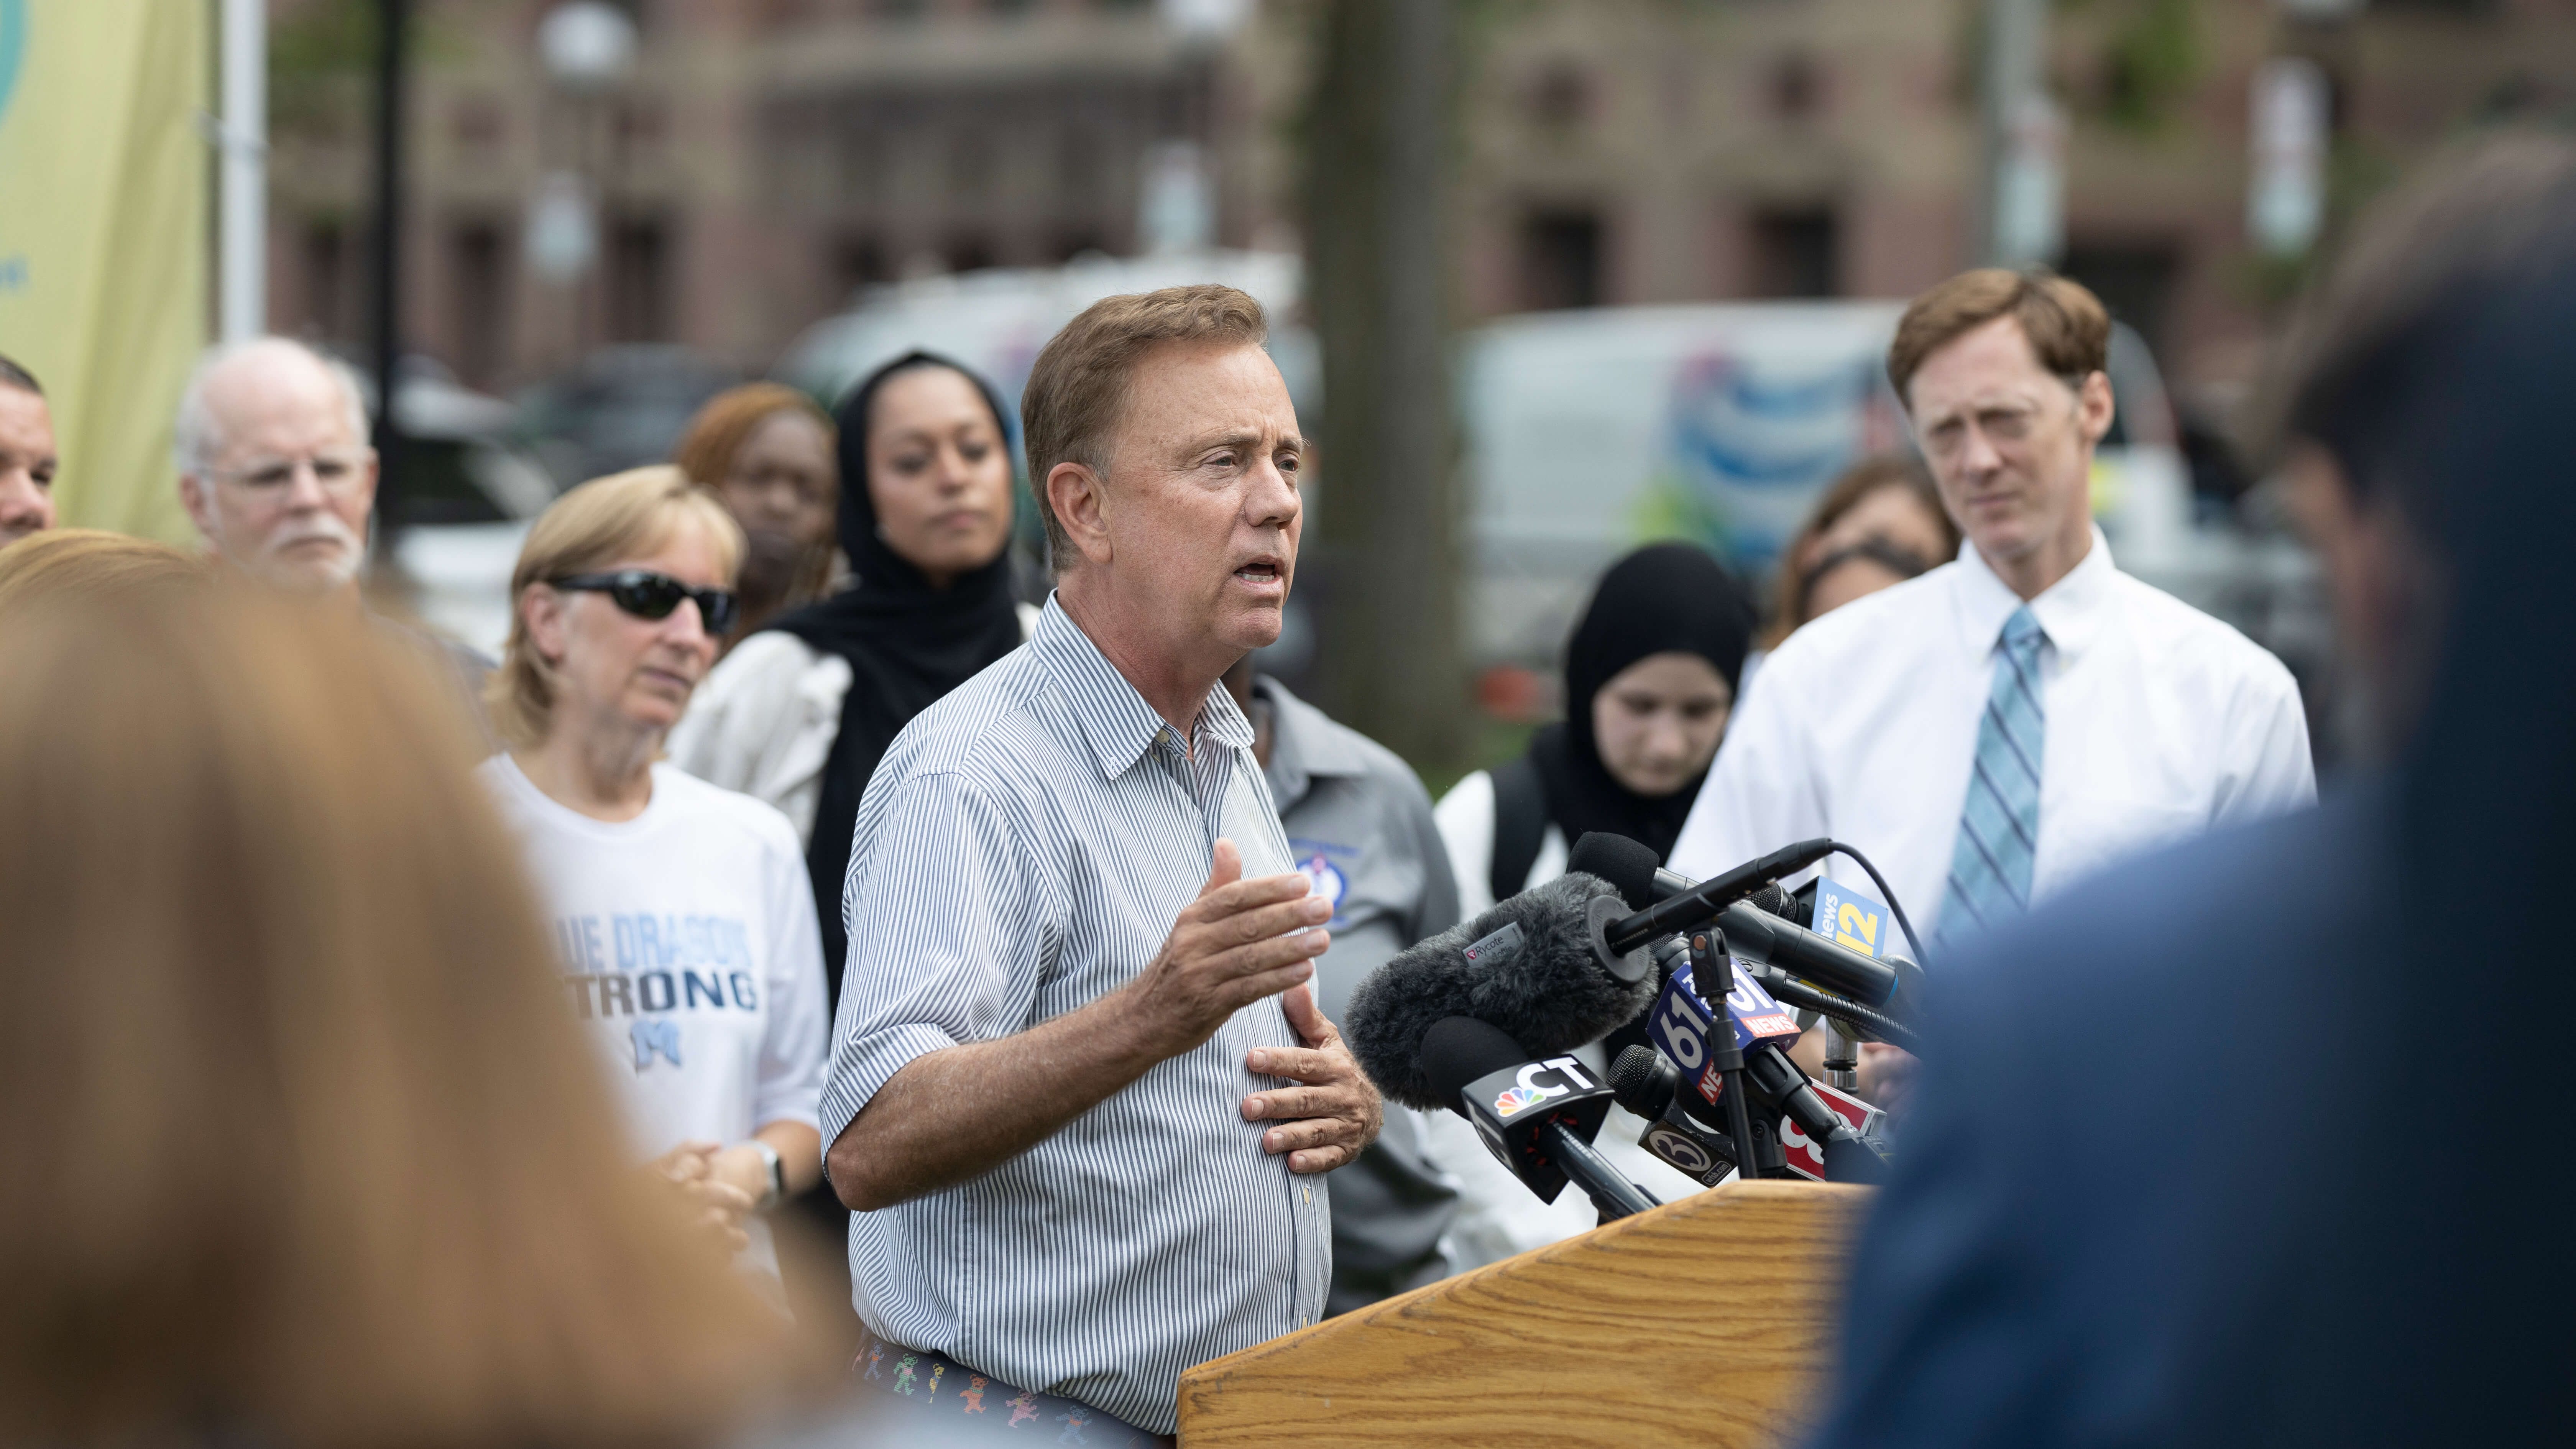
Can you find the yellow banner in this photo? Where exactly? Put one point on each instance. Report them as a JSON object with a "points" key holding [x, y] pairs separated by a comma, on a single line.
{"points": [[103, 240]]}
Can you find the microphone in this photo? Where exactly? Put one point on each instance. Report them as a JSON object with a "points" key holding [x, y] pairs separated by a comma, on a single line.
{"points": [[1746, 903], [1832, 1135], [1538, 1118], [1801, 952], [1700, 903], [1529, 967]]}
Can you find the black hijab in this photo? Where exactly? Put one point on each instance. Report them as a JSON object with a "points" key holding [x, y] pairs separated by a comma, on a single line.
{"points": [[1664, 597], [907, 643]]}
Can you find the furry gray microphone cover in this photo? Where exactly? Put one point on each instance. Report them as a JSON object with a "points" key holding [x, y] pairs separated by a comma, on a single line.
{"points": [[1540, 982]]}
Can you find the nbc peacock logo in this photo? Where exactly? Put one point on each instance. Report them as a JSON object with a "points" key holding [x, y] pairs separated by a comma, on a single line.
{"points": [[1514, 1099]]}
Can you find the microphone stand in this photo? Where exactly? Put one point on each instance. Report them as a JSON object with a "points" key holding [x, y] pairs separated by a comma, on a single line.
{"points": [[1842, 1057], [1713, 978]]}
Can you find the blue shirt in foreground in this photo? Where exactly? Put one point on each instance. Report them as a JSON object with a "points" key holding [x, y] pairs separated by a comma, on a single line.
{"points": [[2123, 1207], [1023, 850]]}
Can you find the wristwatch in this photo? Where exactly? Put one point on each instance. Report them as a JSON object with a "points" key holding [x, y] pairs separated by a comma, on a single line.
{"points": [[777, 1175]]}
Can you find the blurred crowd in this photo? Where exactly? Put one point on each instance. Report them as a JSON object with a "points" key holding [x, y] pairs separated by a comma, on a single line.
{"points": [[342, 958]]}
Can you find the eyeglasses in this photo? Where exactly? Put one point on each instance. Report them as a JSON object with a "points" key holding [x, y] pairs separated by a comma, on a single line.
{"points": [[338, 470], [653, 596]]}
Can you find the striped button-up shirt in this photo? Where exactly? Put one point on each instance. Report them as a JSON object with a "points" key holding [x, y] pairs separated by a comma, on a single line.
{"points": [[1023, 850]]}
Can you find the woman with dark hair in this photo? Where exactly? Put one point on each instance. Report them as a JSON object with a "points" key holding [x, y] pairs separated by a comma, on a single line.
{"points": [[766, 450], [1650, 676], [1877, 525], [799, 714]]}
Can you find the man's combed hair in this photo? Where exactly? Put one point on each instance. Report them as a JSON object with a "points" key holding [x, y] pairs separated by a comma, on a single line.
{"points": [[12, 375], [2068, 328], [1077, 391]]}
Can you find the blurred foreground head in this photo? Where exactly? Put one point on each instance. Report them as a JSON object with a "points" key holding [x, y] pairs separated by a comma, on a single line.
{"points": [[2419, 417], [91, 563], [305, 1149]]}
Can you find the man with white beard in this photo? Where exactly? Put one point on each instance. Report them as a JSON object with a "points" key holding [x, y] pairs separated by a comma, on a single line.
{"points": [[277, 473]]}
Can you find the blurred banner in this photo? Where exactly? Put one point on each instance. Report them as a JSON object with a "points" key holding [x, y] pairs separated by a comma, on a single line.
{"points": [[103, 242]]}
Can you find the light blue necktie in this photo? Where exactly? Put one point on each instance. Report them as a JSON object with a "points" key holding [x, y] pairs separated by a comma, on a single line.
{"points": [[1999, 828]]}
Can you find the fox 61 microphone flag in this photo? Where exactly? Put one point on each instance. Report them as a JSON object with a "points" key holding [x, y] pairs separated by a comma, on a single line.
{"points": [[1682, 1020]]}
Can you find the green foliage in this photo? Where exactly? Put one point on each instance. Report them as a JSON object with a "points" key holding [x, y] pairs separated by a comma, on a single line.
{"points": [[318, 54], [2149, 64], [322, 58]]}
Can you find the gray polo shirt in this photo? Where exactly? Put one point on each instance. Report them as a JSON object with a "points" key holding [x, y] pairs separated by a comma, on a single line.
{"points": [[1360, 826]]}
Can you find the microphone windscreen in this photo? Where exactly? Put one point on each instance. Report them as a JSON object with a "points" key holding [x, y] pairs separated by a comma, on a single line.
{"points": [[1628, 865], [1526, 966], [1457, 1050]]}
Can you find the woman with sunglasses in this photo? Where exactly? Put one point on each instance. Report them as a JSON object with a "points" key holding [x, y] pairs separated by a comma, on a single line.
{"points": [[681, 911], [799, 713]]}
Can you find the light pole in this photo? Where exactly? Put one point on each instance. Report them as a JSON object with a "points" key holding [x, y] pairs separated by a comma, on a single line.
{"points": [[242, 295], [587, 47], [393, 19], [2022, 217]]}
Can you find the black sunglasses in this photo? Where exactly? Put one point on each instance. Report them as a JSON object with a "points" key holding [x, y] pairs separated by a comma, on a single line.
{"points": [[654, 596]]}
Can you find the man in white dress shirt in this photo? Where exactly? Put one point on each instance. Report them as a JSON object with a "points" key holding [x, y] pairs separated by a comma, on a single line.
{"points": [[2027, 714]]}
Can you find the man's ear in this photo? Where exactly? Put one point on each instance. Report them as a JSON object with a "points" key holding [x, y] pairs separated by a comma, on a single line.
{"points": [[198, 499], [2094, 406], [1076, 495]]}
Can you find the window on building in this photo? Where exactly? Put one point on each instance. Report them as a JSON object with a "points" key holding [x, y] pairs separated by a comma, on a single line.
{"points": [[1793, 253], [639, 281], [2135, 280], [1560, 96], [1795, 86], [858, 261], [1561, 259], [479, 291], [326, 280]]}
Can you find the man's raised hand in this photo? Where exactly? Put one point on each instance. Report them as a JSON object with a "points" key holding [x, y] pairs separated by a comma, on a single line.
{"points": [[1240, 941]]}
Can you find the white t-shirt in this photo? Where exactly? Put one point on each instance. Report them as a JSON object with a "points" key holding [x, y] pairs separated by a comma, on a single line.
{"points": [[690, 953]]}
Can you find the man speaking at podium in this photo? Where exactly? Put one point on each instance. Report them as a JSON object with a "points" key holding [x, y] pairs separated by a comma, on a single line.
{"points": [[2019, 717], [1079, 949]]}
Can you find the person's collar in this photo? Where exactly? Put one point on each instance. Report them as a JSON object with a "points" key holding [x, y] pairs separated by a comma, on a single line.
{"points": [[2071, 611], [1114, 718], [1301, 747]]}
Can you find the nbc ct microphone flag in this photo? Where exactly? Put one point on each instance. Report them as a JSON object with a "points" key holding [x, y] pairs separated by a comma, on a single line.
{"points": [[103, 239]]}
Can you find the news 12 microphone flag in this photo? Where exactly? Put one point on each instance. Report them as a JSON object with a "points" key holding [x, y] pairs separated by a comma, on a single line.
{"points": [[103, 239]]}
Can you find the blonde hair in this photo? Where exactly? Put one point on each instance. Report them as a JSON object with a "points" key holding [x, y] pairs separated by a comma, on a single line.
{"points": [[308, 1145], [596, 524], [91, 561], [1077, 389]]}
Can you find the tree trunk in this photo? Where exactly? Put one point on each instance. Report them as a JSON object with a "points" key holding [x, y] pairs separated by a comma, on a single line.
{"points": [[1380, 558]]}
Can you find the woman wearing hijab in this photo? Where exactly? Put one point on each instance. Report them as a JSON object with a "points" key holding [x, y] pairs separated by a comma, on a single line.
{"points": [[799, 714], [1650, 677]]}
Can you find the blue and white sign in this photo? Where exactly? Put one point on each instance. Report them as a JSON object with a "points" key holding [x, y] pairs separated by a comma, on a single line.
{"points": [[1848, 918]]}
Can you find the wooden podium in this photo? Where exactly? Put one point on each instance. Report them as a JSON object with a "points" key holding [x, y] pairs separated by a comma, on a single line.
{"points": [[1707, 1321]]}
